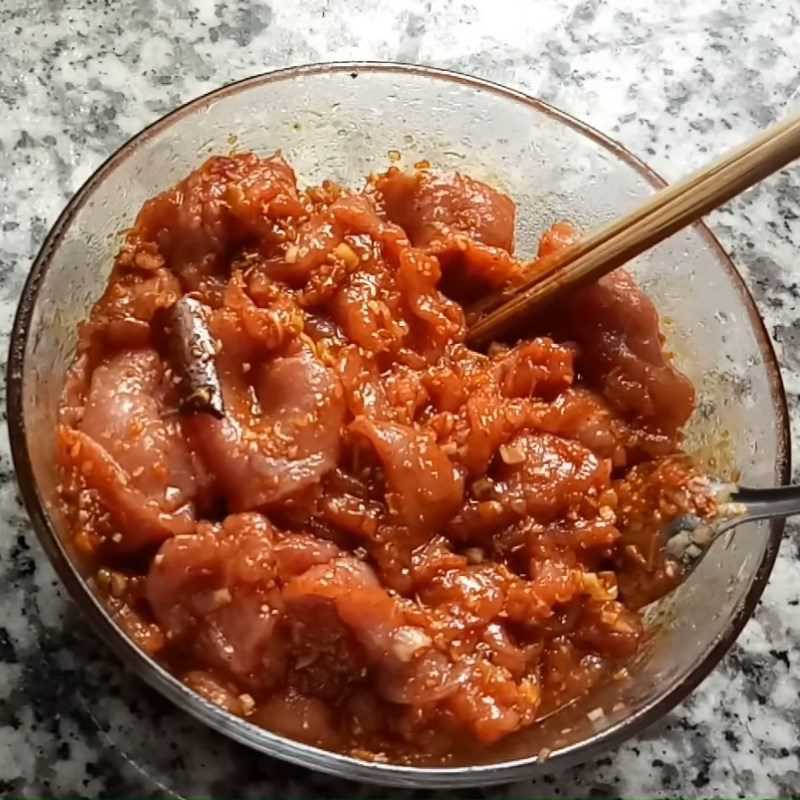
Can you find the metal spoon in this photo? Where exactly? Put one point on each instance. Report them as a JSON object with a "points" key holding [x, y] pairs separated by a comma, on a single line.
{"points": [[688, 538]]}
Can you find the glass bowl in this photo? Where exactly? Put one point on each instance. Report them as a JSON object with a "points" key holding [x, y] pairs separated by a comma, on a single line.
{"points": [[342, 121]]}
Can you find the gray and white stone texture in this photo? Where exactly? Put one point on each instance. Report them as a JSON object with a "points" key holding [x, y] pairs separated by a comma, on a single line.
{"points": [[673, 81]]}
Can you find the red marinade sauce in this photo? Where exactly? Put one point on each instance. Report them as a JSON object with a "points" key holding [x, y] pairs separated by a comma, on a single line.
{"points": [[387, 544]]}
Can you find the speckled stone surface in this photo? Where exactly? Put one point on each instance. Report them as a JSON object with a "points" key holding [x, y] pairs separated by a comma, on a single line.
{"points": [[670, 80]]}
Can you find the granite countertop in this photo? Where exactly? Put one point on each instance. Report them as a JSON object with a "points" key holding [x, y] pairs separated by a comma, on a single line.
{"points": [[669, 81]]}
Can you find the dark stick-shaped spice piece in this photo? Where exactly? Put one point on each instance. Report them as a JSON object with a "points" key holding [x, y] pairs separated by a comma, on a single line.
{"points": [[188, 346]]}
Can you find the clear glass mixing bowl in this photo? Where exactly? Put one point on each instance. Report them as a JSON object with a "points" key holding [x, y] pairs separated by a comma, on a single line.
{"points": [[341, 122]]}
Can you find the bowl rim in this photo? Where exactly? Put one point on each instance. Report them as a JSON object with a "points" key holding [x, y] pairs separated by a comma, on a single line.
{"points": [[240, 730]]}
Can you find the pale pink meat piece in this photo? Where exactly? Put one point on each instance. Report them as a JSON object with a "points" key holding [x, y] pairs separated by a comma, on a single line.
{"points": [[364, 391], [131, 519], [227, 202], [466, 224], [300, 717], [552, 474], [132, 453], [423, 487], [297, 552], [217, 586], [123, 414], [260, 459], [541, 476], [432, 207], [622, 350], [539, 367], [617, 327], [408, 669], [348, 216]]}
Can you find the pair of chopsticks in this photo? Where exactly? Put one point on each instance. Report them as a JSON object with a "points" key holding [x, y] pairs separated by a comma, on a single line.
{"points": [[666, 212]]}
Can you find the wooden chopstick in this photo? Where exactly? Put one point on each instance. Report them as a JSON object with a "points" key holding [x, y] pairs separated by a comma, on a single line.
{"points": [[660, 216]]}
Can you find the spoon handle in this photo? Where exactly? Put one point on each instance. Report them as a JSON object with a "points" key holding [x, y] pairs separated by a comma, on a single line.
{"points": [[660, 216], [780, 501]]}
